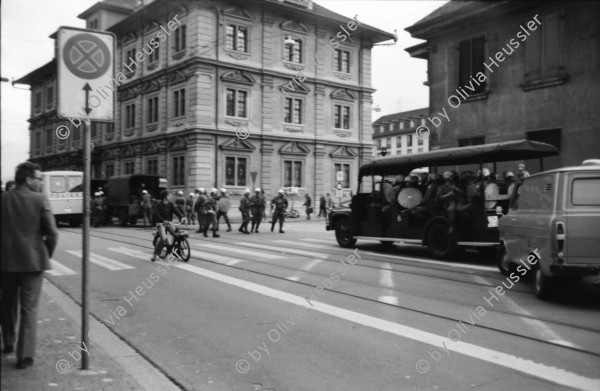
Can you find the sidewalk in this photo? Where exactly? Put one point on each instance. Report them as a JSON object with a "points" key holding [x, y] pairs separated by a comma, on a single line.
{"points": [[114, 365]]}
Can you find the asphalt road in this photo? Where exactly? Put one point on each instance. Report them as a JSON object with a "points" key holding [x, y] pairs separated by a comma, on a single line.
{"points": [[295, 311]]}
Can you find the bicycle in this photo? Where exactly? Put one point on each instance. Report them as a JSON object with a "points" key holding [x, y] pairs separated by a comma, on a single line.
{"points": [[180, 244]]}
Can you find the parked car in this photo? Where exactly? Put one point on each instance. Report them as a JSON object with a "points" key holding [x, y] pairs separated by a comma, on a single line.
{"points": [[554, 216]]}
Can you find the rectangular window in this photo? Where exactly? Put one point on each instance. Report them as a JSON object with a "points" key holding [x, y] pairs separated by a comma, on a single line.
{"points": [[235, 171], [341, 61], [109, 128], [154, 55], [179, 103], [345, 168], [470, 62], [129, 168], [293, 111], [585, 192], [38, 101], [179, 41], [543, 49], [236, 38], [94, 130], [76, 134], [130, 116], [153, 110], [409, 140], [420, 141], [292, 173], [130, 61], [398, 142], [341, 117], [152, 167], [38, 141], [293, 53], [178, 171], [236, 103], [388, 143], [109, 170], [465, 142], [49, 96], [49, 138]]}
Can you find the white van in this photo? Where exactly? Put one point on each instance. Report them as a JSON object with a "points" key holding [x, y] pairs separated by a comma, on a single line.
{"points": [[64, 189]]}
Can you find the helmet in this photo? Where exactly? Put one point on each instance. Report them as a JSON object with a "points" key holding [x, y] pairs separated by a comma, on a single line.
{"points": [[447, 175], [223, 190], [97, 194], [281, 191], [201, 190], [144, 191], [485, 172], [191, 194], [257, 190], [510, 174], [246, 191], [213, 190], [179, 192]]}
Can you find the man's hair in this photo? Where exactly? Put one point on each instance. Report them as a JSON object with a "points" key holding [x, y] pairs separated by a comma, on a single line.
{"points": [[164, 194], [25, 170]]}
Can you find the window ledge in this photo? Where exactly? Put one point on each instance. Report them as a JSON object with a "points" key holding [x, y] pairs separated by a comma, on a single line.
{"points": [[152, 66], [294, 66], [238, 55], [179, 55], [342, 75], [544, 83], [151, 127], [476, 97]]}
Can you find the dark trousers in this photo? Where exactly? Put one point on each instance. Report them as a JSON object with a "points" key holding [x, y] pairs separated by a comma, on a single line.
{"points": [[257, 216], [245, 221], [26, 288], [225, 217], [210, 218], [201, 221], [278, 216], [322, 211], [162, 228]]}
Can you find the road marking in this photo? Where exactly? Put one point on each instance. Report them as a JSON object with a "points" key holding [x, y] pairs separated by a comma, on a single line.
{"points": [[58, 269], [217, 258], [287, 250], [546, 333], [319, 241], [99, 260], [386, 280], [132, 253], [522, 365], [311, 245], [238, 250], [311, 264]]}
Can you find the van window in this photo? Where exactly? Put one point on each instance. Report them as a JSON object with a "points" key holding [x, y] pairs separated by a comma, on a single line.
{"points": [[74, 182], [536, 193], [58, 184], [585, 191]]}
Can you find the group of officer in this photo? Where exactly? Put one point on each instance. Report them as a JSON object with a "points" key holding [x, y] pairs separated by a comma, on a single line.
{"points": [[209, 207]]}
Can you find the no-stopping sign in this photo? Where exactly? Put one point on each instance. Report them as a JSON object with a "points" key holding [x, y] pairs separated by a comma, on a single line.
{"points": [[86, 56]]}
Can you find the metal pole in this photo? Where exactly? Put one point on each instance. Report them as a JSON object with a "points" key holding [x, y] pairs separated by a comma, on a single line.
{"points": [[85, 245]]}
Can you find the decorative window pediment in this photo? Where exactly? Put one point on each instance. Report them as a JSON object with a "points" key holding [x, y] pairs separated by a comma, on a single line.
{"points": [[237, 144], [128, 38], [177, 77], [150, 147], [127, 93], [343, 153], [127, 151], [238, 77], [344, 95], [150, 86], [238, 12], [293, 86], [177, 142], [151, 26], [294, 26], [294, 148]]}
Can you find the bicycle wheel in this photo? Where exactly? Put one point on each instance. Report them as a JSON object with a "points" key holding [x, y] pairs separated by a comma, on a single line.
{"points": [[183, 250]]}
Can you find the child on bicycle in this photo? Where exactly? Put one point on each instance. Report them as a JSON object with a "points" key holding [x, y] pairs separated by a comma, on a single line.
{"points": [[164, 215]]}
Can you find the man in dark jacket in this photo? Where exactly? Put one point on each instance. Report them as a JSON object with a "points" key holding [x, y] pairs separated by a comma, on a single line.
{"points": [[322, 206], [308, 205], [245, 209], [210, 210], [278, 205], [29, 238], [163, 214], [199, 209], [257, 206], [223, 206]]}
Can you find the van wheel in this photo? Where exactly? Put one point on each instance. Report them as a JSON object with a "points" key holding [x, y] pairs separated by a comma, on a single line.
{"points": [[506, 267], [488, 253], [439, 241], [543, 285], [343, 233]]}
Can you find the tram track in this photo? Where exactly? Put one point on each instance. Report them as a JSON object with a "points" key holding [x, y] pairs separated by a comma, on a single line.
{"points": [[111, 236]]}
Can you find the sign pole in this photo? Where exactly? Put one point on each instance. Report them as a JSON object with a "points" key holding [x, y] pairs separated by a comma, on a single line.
{"points": [[85, 245]]}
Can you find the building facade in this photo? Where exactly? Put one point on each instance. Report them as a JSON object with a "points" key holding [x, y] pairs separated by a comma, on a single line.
{"points": [[231, 94], [396, 134], [509, 70]]}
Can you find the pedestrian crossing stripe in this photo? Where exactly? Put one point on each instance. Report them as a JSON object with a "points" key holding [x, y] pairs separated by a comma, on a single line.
{"points": [[58, 269], [132, 253], [317, 240], [99, 260], [244, 251], [287, 250]]}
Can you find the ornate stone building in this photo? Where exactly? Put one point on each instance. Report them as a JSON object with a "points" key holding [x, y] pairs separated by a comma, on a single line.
{"points": [[267, 93], [397, 133]]}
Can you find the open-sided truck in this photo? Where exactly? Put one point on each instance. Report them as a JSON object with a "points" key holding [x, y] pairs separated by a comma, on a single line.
{"points": [[124, 191], [372, 215]]}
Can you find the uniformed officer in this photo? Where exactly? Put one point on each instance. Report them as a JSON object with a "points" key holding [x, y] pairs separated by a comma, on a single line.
{"points": [[257, 206], [278, 205], [199, 208], [245, 209], [210, 210]]}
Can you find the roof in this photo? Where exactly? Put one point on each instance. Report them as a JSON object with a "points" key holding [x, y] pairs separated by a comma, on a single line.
{"points": [[40, 74], [496, 152], [122, 6], [417, 113]]}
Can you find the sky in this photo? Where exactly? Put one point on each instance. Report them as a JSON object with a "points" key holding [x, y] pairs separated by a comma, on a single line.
{"points": [[25, 46]]}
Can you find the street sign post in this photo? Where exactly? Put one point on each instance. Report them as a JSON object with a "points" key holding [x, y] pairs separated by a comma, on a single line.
{"points": [[338, 191], [85, 65]]}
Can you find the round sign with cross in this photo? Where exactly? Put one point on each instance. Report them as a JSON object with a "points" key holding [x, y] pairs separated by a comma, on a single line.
{"points": [[86, 56]]}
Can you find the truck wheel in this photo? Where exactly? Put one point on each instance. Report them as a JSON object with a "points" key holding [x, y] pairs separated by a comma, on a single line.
{"points": [[506, 267], [543, 285], [343, 233], [439, 241]]}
